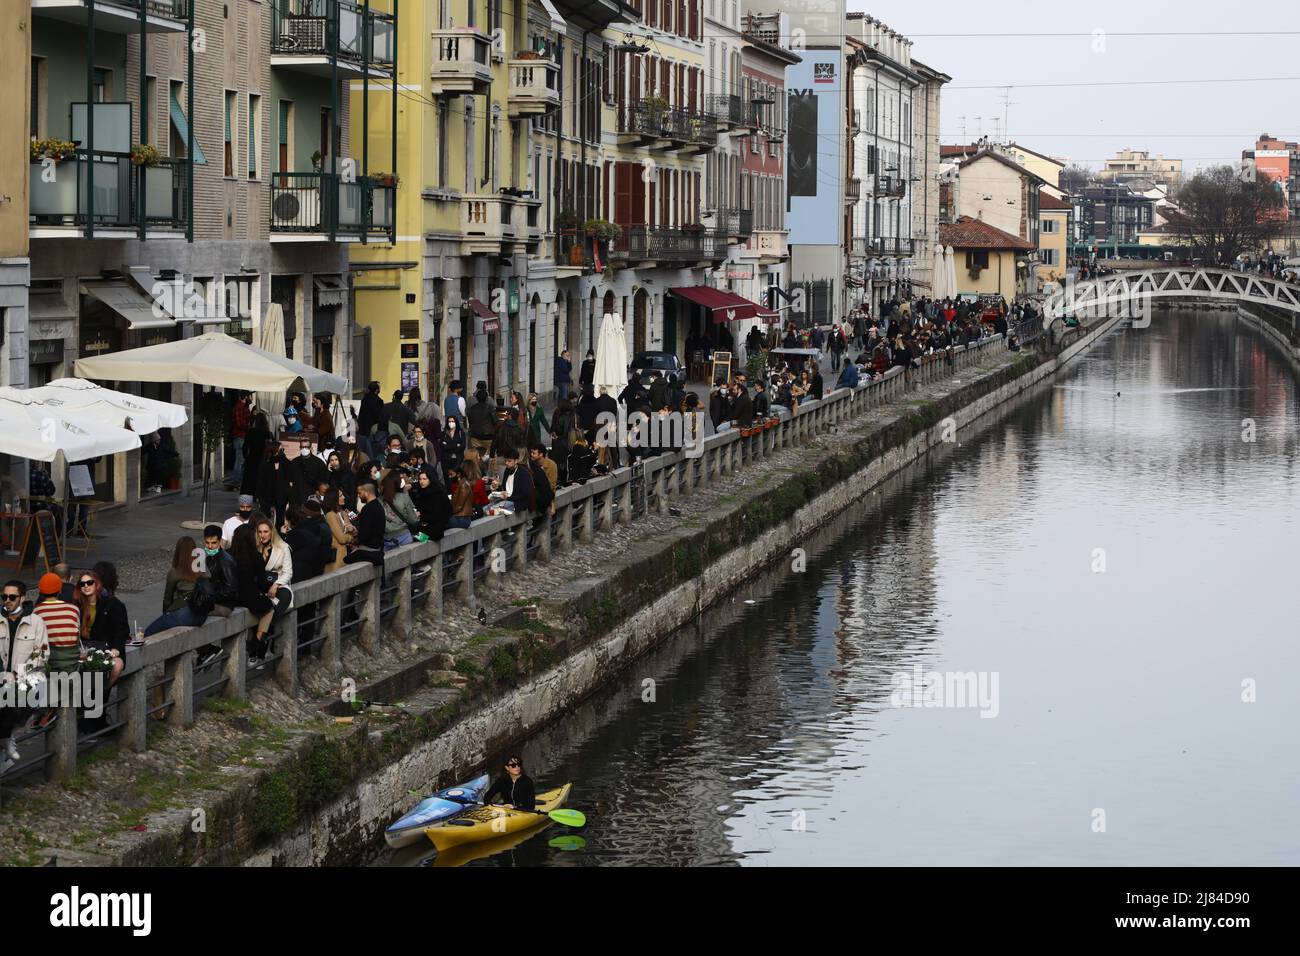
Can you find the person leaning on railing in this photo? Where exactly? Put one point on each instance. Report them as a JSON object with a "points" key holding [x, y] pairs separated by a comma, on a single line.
{"points": [[369, 524]]}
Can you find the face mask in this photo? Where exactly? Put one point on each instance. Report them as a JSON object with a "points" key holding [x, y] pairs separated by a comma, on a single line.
{"points": [[212, 552], [304, 451]]}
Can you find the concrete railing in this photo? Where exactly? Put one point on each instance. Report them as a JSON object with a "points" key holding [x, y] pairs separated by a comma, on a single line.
{"points": [[356, 603]]}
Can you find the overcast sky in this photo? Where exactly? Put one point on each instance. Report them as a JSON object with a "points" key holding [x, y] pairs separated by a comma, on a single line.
{"points": [[1202, 123]]}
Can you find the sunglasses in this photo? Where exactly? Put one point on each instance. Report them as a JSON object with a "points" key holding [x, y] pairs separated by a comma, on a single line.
{"points": [[512, 764], [12, 597], [86, 584]]}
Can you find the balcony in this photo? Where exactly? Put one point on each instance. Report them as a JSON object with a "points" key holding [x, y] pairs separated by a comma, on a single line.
{"points": [[534, 87], [652, 123], [669, 244], [736, 225], [487, 224], [876, 246], [772, 245], [125, 197], [860, 247], [321, 207], [462, 61], [732, 113], [852, 189], [318, 36], [890, 187], [119, 16], [574, 255]]}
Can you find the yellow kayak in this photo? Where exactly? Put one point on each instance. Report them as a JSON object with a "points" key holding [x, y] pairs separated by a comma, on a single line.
{"points": [[488, 823]]}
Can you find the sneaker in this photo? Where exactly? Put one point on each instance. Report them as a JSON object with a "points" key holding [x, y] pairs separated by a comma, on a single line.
{"points": [[46, 720], [5, 763], [206, 657], [11, 749]]}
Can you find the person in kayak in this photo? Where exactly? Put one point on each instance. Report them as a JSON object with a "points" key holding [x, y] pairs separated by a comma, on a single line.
{"points": [[514, 787]]}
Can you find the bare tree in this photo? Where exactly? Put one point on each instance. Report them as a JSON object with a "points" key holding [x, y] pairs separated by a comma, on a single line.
{"points": [[1075, 178], [1221, 214]]}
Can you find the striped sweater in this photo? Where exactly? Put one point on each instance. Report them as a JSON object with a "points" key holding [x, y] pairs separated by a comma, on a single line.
{"points": [[63, 624]]}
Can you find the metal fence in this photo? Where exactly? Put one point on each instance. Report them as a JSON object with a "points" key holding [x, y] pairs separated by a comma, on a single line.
{"points": [[358, 604]]}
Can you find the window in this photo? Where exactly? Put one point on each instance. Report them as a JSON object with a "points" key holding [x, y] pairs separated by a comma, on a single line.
{"points": [[232, 121], [1049, 225], [147, 119], [1048, 257], [254, 135], [283, 134], [469, 143], [444, 112], [37, 65], [977, 258], [103, 85]]}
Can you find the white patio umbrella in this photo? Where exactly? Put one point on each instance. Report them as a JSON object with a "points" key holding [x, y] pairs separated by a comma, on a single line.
{"points": [[39, 432], [210, 359], [611, 355], [141, 415], [950, 271]]}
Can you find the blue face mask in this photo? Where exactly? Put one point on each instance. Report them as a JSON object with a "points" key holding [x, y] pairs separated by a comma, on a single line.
{"points": [[212, 552]]}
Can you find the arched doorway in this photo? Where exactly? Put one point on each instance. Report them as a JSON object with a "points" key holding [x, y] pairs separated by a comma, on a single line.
{"points": [[640, 319]]}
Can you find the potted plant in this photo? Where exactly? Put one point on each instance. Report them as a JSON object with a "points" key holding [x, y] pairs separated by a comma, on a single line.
{"points": [[386, 179], [146, 155], [566, 219], [528, 55], [654, 105], [53, 148], [603, 230]]}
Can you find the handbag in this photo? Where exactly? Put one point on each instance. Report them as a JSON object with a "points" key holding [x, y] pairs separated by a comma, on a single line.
{"points": [[203, 598]]}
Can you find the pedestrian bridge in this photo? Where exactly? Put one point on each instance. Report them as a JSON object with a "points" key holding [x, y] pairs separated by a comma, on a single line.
{"points": [[1125, 293]]}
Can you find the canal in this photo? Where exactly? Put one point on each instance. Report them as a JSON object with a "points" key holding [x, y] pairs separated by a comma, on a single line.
{"points": [[1103, 585]]}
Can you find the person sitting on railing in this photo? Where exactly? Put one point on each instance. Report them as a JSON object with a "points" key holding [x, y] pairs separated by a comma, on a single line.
{"points": [[514, 490], [762, 401], [581, 461], [462, 501], [343, 534], [24, 651], [431, 503], [815, 383], [252, 587], [309, 540], [543, 479], [182, 583], [400, 518], [849, 377], [104, 623], [451, 445]]}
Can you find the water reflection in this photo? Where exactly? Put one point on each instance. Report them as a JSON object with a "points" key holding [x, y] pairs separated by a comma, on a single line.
{"points": [[772, 736]]}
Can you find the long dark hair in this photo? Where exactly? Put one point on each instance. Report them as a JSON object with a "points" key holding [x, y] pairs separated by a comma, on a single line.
{"points": [[413, 400], [243, 548], [183, 559], [107, 574], [389, 487]]}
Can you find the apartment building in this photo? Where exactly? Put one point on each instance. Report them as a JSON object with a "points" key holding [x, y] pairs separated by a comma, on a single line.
{"points": [[1131, 164], [1278, 161], [15, 268], [746, 183], [927, 207], [881, 163], [192, 166]]}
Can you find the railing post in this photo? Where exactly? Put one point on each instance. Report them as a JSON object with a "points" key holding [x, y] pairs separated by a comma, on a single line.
{"points": [[661, 491], [544, 535], [332, 623], [585, 527], [405, 620], [181, 698], [368, 610], [564, 515], [235, 666], [520, 545], [624, 492], [465, 575], [286, 668], [61, 739], [491, 545], [132, 697]]}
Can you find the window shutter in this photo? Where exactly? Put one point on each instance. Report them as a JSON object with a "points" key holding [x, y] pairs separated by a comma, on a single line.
{"points": [[604, 70]]}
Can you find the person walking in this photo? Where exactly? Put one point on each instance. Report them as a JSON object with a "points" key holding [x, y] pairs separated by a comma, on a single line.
{"points": [[241, 421], [482, 421], [563, 375]]}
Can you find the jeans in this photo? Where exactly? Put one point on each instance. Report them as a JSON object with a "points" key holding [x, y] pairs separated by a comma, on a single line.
{"points": [[239, 461], [398, 540], [185, 617], [461, 521]]}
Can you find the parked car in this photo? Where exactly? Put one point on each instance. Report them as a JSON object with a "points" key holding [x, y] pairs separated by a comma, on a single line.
{"points": [[667, 364]]}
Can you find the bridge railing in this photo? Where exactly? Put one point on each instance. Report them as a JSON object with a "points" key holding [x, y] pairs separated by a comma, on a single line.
{"points": [[360, 605]]}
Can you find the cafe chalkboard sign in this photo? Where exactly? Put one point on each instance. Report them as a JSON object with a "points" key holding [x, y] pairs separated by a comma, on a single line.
{"points": [[41, 537]]}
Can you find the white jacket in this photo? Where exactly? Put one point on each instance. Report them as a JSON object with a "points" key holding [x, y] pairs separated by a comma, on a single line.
{"points": [[280, 562], [31, 646]]}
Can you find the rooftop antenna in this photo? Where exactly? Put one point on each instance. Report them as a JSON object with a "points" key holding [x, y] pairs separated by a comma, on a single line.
{"points": [[1006, 113], [963, 129], [979, 127]]}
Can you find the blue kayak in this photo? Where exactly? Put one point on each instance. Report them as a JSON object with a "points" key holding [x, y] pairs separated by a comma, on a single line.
{"points": [[441, 806]]}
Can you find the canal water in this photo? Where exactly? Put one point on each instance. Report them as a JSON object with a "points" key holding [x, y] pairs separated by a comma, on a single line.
{"points": [[1103, 585]]}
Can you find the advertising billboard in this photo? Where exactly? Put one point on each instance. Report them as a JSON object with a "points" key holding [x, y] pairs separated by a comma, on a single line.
{"points": [[1274, 164], [814, 141]]}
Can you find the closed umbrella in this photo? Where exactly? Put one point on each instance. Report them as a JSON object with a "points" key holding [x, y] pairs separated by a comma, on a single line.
{"points": [[210, 359], [611, 355], [950, 271], [939, 274], [272, 402]]}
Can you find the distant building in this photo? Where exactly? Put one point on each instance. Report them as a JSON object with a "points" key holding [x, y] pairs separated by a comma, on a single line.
{"points": [[1109, 215], [1131, 164], [1279, 162], [988, 260], [1053, 237]]}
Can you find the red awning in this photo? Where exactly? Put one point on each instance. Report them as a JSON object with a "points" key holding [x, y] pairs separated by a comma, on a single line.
{"points": [[725, 306], [481, 310], [492, 325]]}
